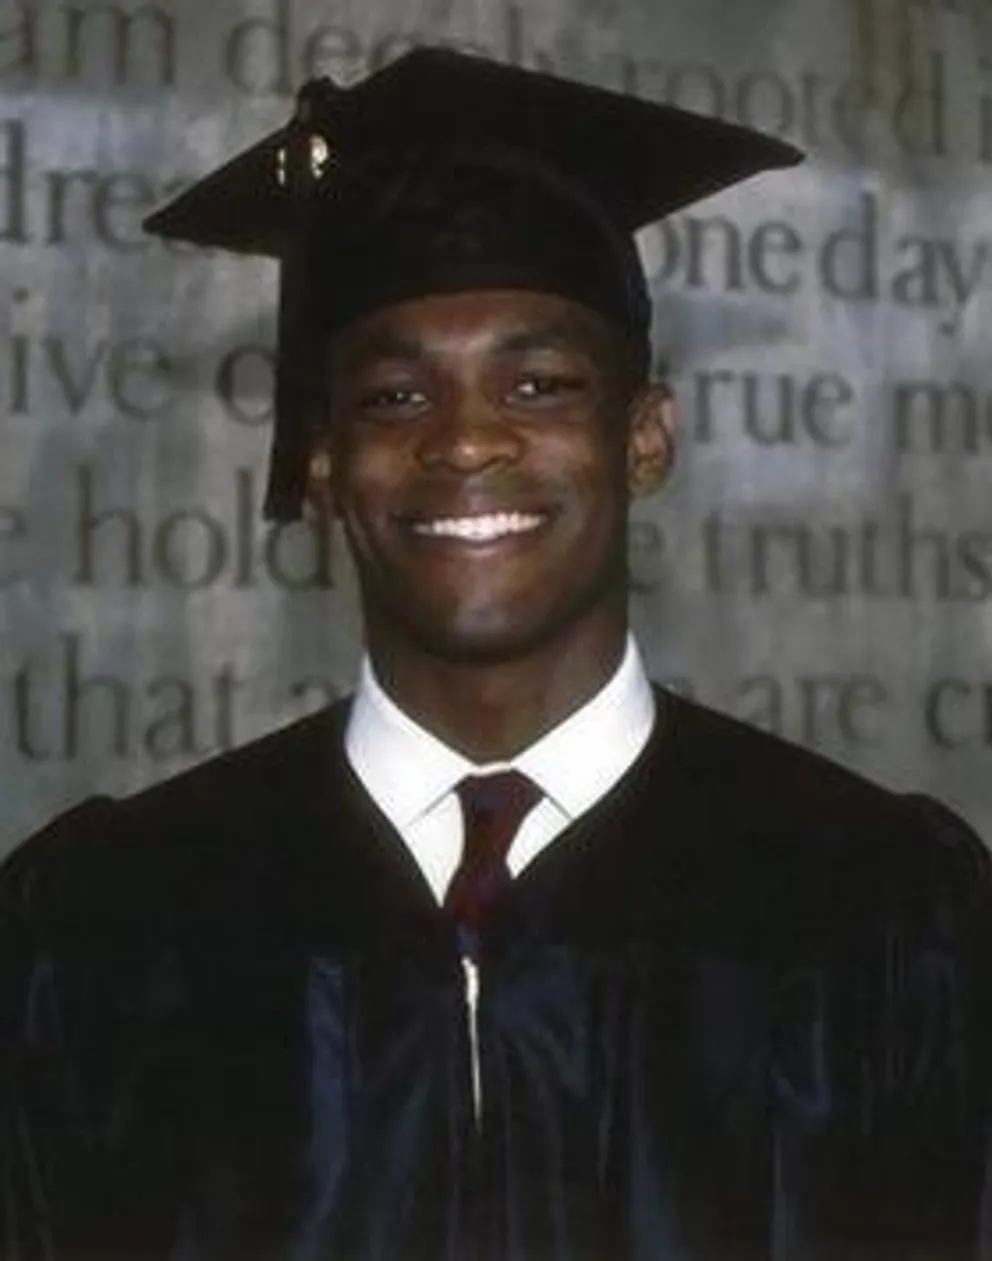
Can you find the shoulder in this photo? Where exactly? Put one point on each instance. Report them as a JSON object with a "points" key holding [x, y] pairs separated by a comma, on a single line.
{"points": [[827, 847], [772, 774], [104, 850]]}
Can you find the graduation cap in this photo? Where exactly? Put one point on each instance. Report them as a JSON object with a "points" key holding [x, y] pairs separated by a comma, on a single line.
{"points": [[445, 172]]}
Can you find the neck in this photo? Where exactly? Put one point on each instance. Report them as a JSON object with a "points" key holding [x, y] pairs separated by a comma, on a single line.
{"points": [[490, 711]]}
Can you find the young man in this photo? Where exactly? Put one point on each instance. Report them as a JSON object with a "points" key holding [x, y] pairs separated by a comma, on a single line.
{"points": [[512, 957]]}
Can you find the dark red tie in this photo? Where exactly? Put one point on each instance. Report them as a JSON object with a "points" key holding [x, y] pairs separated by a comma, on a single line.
{"points": [[492, 807]]}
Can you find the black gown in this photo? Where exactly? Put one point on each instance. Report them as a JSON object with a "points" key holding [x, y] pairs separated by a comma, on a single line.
{"points": [[738, 1011]]}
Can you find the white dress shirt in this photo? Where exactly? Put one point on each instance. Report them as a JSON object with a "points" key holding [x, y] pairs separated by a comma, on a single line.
{"points": [[411, 775]]}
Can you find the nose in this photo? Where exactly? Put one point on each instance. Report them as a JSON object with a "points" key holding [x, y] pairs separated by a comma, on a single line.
{"points": [[469, 434]]}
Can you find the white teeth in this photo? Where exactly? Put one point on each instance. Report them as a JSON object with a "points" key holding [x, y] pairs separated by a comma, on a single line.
{"points": [[479, 529]]}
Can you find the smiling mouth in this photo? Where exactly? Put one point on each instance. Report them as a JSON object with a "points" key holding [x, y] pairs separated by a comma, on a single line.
{"points": [[486, 528]]}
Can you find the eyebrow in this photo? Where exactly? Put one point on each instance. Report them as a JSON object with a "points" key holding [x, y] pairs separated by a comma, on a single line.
{"points": [[550, 337], [385, 345]]}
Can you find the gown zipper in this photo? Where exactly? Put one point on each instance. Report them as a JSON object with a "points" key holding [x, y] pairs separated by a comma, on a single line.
{"points": [[470, 975]]}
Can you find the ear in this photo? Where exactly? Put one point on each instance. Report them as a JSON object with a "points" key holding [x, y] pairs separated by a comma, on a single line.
{"points": [[318, 495], [651, 439]]}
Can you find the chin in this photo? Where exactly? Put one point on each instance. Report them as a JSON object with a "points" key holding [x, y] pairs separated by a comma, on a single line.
{"points": [[494, 638], [482, 645], [494, 632]]}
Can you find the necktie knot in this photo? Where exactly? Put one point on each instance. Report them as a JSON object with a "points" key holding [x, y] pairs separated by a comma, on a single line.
{"points": [[493, 807]]}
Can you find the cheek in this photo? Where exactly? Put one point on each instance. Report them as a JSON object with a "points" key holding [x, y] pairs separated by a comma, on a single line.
{"points": [[367, 481], [597, 478]]}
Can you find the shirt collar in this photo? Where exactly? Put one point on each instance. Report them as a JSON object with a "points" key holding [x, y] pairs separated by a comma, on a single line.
{"points": [[578, 761], [574, 764]]}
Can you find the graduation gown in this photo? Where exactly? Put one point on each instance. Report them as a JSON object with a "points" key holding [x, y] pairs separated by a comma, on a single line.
{"points": [[737, 1011]]}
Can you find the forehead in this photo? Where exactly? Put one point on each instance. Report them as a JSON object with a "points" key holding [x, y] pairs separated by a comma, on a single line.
{"points": [[476, 321]]}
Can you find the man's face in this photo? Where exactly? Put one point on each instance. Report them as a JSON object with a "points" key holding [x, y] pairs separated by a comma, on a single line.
{"points": [[482, 452]]}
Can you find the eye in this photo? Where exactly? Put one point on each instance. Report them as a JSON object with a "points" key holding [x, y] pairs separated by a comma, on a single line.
{"points": [[546, 387], [392, 401]]}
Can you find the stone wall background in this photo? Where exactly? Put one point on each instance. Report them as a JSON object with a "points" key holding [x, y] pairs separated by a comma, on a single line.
{"points": [[821, 563]]}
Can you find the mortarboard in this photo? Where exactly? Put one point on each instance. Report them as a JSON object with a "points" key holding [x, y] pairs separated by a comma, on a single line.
{"points": [[445, 171]]}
